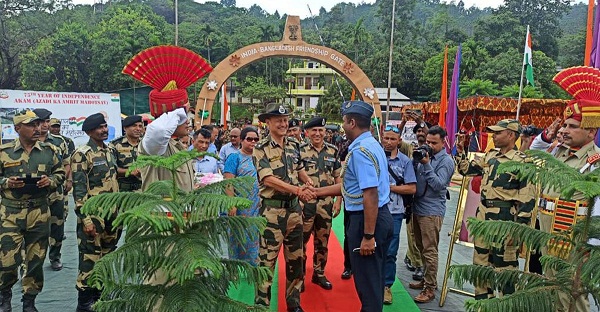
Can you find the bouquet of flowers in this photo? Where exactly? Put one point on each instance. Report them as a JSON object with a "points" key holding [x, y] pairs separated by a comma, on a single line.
{"points": [[204, 179]]}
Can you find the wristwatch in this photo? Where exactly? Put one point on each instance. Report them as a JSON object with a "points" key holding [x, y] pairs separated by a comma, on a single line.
{"points": [[368, 236]]}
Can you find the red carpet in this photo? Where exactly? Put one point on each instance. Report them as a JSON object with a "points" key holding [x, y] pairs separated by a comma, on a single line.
{"points": [[342, 297]]}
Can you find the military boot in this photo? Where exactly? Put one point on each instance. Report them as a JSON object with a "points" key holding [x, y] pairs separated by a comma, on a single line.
{"points": [[29, 303], [5, 297], [85, 300]]}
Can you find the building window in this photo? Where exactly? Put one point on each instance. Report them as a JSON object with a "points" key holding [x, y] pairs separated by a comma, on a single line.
{"points": [[299, 102], [300, 82]]}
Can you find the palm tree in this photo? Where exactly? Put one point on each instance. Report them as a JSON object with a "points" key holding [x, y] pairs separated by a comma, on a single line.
{"points": [[478, 87]]}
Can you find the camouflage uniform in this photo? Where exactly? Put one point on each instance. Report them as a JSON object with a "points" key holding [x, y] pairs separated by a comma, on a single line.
{"points": [[503, 197], [56, 201], [322, 166], [283, 214], [126, 153], [71, 150], [24, 212], [94, 172]]}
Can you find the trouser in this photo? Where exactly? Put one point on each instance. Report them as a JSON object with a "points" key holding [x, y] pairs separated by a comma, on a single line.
{"points": [[317, 220], [413, 253], [284, 227], [369, 270], [392, 252], [91, 249], [427, 236], [57, 229], [535, 266], [129, 187], [505, 256], [347, 265], [23, 228]]}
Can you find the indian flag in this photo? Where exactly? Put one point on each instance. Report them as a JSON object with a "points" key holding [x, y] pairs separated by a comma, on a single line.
{"points": [[527, 59]]}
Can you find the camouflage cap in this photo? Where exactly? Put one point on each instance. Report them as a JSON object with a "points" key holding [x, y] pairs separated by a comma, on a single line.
{"points": [[506, 124], [54, 121], [25, 117]]}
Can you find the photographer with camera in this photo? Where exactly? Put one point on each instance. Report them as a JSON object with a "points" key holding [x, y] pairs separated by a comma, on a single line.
{"points": [[402, 188], [503, 196], [434, 169], [527, 136]]}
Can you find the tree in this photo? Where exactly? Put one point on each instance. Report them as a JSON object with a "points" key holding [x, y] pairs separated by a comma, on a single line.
{"points": [[528, 92], [125, 31], [257, 88], [404, 26], [329, 104], [572, 49], [228, 3], [498, 33], [184, 246], [478, 87], [574, 261], [60, 62]]}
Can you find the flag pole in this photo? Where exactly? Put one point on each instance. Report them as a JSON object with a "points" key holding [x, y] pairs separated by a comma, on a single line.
{"points": [[389, 82], [521, 83]]}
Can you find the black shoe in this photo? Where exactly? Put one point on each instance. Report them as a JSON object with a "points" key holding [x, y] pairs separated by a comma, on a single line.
{"points": [[56, 265], [322, 281], [29, 303], [85, 300], [409, 265], [295, 309], [347, 274], [418, 275], [5, 297]]}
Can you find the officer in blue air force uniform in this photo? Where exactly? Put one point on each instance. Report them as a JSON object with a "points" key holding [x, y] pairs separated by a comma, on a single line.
{"points": [[366, 191]]}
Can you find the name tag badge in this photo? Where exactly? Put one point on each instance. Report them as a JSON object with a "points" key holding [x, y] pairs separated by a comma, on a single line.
{"points": [[276, 158], [12, 164], [100, 163], [331, 159]]}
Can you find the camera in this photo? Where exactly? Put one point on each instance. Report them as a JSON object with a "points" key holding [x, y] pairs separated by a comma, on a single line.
{"points": [[420, 152], [531, 130]]}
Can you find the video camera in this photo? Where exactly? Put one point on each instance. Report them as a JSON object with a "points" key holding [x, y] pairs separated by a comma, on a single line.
{"points": [[531, 130], [420, 152]]}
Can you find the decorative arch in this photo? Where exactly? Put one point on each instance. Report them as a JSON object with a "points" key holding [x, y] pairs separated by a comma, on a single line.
{"points": [[291, 45]]}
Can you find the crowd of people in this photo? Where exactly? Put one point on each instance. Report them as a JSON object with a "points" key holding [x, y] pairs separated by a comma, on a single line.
{"points": [[304, 174]]}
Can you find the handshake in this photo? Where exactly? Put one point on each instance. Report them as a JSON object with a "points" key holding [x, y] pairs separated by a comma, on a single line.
{"points": [[306, 193]]}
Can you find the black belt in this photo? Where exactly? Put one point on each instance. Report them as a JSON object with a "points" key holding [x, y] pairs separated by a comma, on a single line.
{"points": [[497, 203], [280, 203], [362, 212], [25, 203]]}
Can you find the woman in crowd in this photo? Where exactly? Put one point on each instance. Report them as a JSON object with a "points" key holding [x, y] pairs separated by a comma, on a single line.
{"points": [[238, 165]]}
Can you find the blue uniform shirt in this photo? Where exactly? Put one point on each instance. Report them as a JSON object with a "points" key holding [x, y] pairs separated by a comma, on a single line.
{"points": [[404, 169], [361, 172], [206, 165]]}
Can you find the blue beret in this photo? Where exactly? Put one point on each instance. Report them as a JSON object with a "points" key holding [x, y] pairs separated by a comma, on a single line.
{"points": [[315, 122], [93, 121], [357, 107], [130, 120]]}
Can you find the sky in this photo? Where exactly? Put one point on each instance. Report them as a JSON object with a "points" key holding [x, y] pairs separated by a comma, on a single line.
{"points": [[299, 7]]}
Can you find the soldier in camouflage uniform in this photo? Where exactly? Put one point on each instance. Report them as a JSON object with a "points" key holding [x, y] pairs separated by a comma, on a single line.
{"points": [[503, 196], [125, 152], [56, 199], [322, 166], [29, 172], [94, 172], [277, 162], [55, 130]]}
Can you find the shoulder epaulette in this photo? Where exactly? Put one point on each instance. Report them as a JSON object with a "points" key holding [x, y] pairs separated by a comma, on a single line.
{"points": [[7, 145], [83, 149], [593, 159], [117, 140], [331, 146], [261, 143], [303, 145]]}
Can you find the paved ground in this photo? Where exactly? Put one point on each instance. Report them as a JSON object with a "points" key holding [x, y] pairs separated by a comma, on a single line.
{"points": [[59, 294]]}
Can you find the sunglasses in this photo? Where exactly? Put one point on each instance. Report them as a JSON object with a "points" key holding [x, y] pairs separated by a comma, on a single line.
{"points": [[249, 139], [392, 128]]}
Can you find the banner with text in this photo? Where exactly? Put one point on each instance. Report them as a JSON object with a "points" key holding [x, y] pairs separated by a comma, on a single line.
{"points": [[70, 108]]}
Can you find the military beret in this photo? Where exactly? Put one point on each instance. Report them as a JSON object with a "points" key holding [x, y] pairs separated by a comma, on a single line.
{"points": [[42, 113], [93, 121], [130, 120], [25, 117], [315, 122], [54, 121], [273, 109], [293, 123], [421, 125], [357, 107]]}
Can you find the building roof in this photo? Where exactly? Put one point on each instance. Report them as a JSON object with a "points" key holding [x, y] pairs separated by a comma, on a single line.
{"points": [[394, 95]]}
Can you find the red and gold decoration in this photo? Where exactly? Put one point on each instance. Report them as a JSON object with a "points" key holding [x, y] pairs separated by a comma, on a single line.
{"points": [[583, 84], [169, 70]]}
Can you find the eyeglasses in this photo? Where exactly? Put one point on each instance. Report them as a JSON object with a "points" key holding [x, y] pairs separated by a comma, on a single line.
{"points": [[392, 128], [249, 139]]}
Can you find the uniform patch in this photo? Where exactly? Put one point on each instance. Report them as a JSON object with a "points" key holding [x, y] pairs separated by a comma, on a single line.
{"points": [[327, 158], [100, 163], [12, 164], [276, 158], [593, 159]]}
